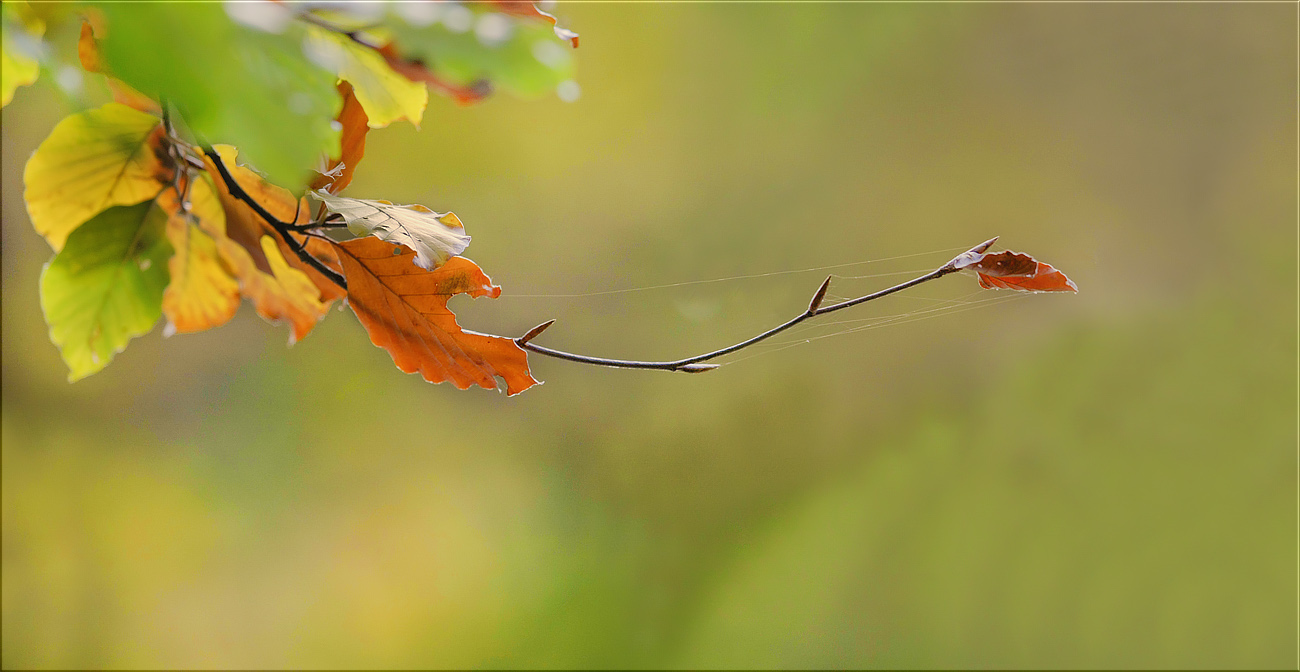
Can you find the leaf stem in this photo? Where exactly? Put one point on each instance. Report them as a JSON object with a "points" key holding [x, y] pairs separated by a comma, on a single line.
{"points": [[282, 228], [695, 365]]}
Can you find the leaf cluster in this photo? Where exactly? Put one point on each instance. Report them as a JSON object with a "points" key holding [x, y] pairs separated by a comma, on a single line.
{"points": [[152, 221]]}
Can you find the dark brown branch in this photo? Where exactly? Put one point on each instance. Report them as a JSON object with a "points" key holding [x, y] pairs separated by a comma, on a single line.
{"points": [[695, 365], [283, 228]]}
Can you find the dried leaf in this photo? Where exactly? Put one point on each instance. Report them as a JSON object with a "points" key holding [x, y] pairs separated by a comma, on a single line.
{"points": [[404, 309], [435, 236], [1012, 270], [202, 294], [93, 160]]}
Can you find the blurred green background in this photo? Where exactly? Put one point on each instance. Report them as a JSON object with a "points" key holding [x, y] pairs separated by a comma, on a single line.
{"points": [[1107, 479]]}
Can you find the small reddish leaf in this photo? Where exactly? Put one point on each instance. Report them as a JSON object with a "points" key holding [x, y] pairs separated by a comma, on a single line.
{"points": [[1012, 270], [404, 309]]}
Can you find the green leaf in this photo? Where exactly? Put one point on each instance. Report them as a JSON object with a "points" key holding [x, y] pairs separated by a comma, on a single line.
{"points": [[91, 161], [106, 286], [231, 84], [527, 61]]}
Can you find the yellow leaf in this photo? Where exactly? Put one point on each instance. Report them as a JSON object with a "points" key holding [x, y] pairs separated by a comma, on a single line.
{"points": [[108, 156], [386, 95], [22, 32], [202, 293]]}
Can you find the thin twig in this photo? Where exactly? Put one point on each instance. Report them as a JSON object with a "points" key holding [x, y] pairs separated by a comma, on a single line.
{"points": [[695, 364], [283, 228]]}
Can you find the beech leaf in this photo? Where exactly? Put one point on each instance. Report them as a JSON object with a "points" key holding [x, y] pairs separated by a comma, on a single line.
{"points": [[386, 95], [352, 144], [202, 294], [1013, 270], [19, 48], [278, 290], [93, 160], [404, 309], [106, 285], [435, 236]]}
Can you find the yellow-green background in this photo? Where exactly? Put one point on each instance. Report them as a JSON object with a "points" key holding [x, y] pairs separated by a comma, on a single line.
{"points": [[1107, 479]]}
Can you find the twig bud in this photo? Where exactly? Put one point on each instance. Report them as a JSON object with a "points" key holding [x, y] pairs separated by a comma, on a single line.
{"points": [[817, 298], [534, 332]]}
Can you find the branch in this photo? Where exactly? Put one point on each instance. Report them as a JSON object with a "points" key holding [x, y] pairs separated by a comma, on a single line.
{"points": [[283, 228], [695, 364]]}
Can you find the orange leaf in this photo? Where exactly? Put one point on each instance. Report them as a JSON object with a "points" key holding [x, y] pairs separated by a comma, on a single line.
{"points": [[1012, 270], [270, 276], [322, 250], [242, 224], [404, 309], [355, 126]]}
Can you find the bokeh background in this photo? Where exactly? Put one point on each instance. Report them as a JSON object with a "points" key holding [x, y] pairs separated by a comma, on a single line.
{"points": [[1107, 479]]}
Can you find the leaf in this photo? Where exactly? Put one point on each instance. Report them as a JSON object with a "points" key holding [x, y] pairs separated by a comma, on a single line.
{"points": [[105, 286], [202, 293], [19, 49], [386, 95], [530, 10], [88, 54], [1012, 270], [277, 290], [111, 155], [352, 144], [416, 71], [435, 237], [231, 84], [522, 58], [404, 309]]}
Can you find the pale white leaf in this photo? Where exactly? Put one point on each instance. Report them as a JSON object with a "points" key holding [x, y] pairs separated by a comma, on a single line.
{"points": [[434, 236]]}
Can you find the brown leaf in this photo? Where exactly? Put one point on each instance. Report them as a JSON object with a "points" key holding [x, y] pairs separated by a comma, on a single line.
{"points": [[1012, 270], [404, 309], [355, 126]]}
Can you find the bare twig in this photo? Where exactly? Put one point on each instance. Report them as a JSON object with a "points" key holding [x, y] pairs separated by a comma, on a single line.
{"points": [[283, 228], [695, 365]]}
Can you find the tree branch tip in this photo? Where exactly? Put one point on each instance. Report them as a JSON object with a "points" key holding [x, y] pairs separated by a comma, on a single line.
{"points": [[984, 246], [819, 296], [534, 332], [697, 368]]}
